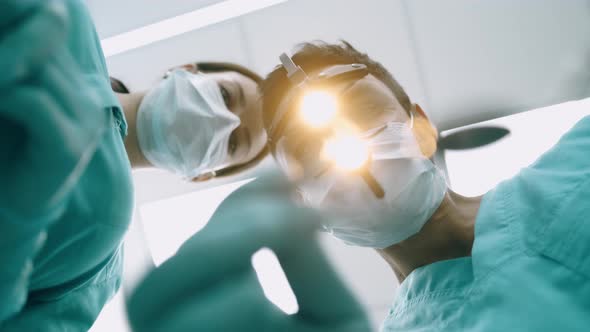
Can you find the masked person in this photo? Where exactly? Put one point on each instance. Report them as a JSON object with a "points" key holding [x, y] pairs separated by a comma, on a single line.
{"points": [[68, 146], [203, 120], [515, 258], [512, 259]]}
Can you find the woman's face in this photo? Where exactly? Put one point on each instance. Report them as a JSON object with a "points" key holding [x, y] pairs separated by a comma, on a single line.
{"points": [[241, 96]]}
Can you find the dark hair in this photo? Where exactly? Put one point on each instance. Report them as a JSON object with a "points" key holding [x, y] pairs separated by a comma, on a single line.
{"points": [[214, 67], [314, 56], [118, 86], [206, 67]]}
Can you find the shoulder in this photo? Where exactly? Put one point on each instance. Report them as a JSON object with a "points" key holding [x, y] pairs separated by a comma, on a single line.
{"points": [[85, 51], [543, 211], [549, 201], [558, 177]]}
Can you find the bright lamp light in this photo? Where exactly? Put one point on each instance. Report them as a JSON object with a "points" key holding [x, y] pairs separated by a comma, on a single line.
{"points": [[318, 108], [347, 152]]}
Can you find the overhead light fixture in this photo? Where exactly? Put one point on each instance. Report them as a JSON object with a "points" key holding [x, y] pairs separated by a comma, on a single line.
{"points": [[180, 24]]}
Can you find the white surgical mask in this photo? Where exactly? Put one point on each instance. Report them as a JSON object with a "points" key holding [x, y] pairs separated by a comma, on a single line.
{"points": [[414, 189], [183, 124]]}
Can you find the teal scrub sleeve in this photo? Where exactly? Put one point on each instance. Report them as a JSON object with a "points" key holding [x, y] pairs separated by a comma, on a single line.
{"points": [[210, 285], [58, 126], [555, 191], [22, 47], [48, 136]]}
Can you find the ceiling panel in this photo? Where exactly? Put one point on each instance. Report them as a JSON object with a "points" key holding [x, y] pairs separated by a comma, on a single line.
{"points": [[376, 27], [485, 59], [256, 39], [140, 68], [115, 16]]}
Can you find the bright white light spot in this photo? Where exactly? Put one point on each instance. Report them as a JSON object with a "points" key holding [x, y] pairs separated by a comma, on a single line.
{"points": [[347, 152], [273, 281], [318, 108], [170, 222]]}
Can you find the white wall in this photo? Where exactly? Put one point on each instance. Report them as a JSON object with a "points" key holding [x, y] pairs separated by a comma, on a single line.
{"points": [[485, 59]]}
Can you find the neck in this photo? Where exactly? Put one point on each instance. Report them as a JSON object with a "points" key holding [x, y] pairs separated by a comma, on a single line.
{"points": [[448, 234], [130, 103]]}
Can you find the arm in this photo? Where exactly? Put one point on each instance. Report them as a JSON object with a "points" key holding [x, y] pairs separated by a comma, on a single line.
{"points": [[550, 198], [210, 283], [51, 132]]}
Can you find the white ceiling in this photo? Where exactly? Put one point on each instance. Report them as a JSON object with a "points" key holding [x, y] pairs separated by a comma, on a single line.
{"points": [[485, 59], [464, 61], [115, 16]]}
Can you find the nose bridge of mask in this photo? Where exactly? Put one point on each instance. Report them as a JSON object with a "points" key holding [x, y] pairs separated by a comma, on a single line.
{"points": [[395, 141], [219, 122], [208, 89]]}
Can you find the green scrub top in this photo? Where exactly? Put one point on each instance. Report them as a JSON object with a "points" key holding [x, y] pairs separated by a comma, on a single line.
{"points": [[530, 264], [78, 268]]}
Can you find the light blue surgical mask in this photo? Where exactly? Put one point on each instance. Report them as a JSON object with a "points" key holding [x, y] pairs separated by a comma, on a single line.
{"points": [[183, 124], [414, 188]]}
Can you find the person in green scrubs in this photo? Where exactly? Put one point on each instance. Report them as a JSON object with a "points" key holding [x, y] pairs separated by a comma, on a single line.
{"points": [[68, 146], [514, 259]]}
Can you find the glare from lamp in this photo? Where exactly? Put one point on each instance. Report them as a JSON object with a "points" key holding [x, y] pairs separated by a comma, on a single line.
{"points": [[318, 108], [347, 152]]}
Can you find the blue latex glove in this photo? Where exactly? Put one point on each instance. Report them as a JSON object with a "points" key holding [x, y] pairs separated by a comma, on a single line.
{"points": [[210, 285], [49, 126]]}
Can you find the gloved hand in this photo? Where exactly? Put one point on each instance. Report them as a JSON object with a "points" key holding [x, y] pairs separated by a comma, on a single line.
{"points": [[210, 285], [49, 127]]}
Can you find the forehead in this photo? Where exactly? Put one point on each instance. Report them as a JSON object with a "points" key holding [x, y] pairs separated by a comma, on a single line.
{"points": [[234, 76], [249, 112]]}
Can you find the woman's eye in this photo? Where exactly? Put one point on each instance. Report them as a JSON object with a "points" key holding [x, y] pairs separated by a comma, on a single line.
{"points": [[232, 145], [225, 94]]}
